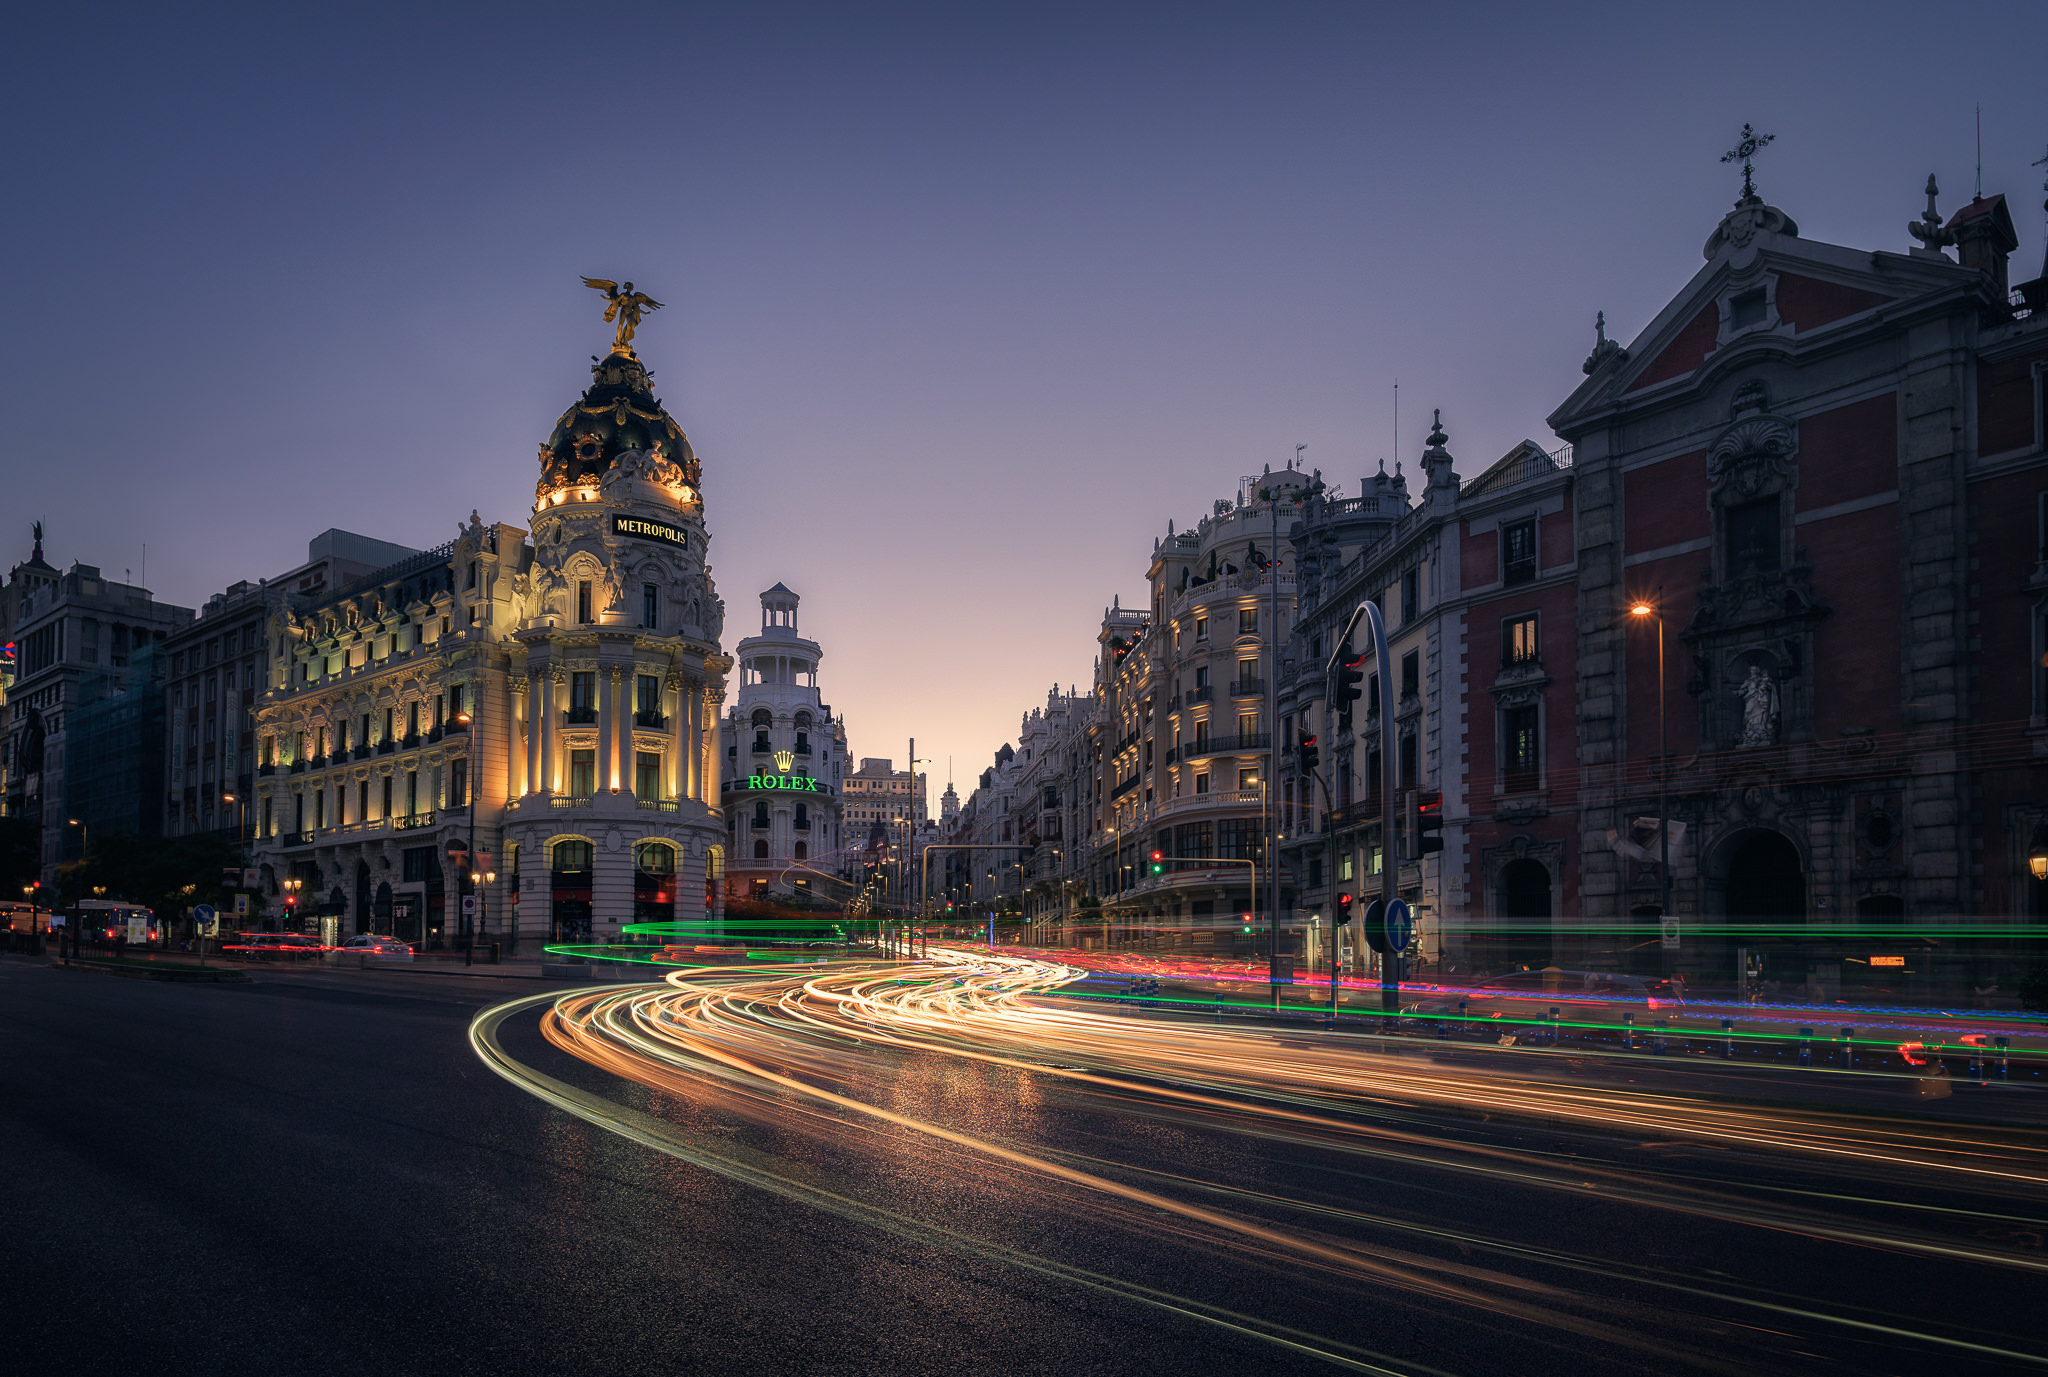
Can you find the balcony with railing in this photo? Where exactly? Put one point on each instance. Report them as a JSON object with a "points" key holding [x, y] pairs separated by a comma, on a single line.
{"points": [[650, 721], [413, 821], [1199, 694], [386, 746], [656, 805], [1248, 688], [1217, 798], [579, 717], [569, 800], [1220, 745]]}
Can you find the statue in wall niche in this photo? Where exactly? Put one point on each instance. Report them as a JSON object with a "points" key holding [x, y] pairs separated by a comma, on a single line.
{"points": [[552, 593], [1759, 708]]}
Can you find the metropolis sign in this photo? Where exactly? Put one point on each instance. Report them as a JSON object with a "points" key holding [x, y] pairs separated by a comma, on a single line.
{"points": [[640, 528]]}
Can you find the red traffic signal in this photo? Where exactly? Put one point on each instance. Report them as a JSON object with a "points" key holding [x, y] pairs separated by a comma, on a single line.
{"points": [[1429, 821], [1158, 861]]}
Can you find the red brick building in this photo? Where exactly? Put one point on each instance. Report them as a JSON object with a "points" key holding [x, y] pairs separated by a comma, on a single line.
{"points": [[1823, 467]]}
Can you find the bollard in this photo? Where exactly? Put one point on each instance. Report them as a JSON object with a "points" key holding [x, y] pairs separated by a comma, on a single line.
{"points": [[1657, 1042], [2001, 1045], [1628, 1031], [1848, 1049], [1728, 1039], [1806, 1046], [1443, 1028], [1976, 1058], [1550, 1031], [1464, 1018]]}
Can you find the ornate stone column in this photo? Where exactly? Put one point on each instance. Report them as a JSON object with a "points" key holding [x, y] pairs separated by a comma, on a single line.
{"points": [[550, 729], [679, 738], [609, 722], [531, 783]]}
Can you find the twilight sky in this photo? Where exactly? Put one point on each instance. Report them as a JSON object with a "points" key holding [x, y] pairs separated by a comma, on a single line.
{"points": [[964, 301]]}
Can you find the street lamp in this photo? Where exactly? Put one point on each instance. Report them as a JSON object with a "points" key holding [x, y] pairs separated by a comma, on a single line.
{"points": [[1644, 608]]}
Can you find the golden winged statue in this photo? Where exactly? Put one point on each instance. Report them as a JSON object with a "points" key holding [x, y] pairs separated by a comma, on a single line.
{"points": [[624, 305]]}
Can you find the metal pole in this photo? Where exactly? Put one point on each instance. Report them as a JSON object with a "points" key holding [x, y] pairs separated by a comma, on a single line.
{"points": [[1663, 790], [1271, 701], [1390, 964]]}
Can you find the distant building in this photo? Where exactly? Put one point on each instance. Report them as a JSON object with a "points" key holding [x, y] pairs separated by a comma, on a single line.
{"points": [[213, 671], [785, 758], [85, 663]]}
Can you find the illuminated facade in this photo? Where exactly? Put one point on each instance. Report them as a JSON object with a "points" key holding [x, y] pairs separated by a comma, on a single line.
{"points": [[785, 759], [552, 692]]}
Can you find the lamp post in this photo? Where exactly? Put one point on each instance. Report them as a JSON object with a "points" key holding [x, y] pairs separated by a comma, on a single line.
{"points": [[1645, 608]]}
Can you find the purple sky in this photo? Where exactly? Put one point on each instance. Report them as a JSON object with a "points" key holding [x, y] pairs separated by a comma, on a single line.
{"points": [[961, 308]]}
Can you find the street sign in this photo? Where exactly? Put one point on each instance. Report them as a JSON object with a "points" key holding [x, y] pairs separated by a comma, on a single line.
{"points": [[205, 919], [1400, 926], [1375, 929], [469, 903], [252, 879], [1668, 937], [241, 906]]}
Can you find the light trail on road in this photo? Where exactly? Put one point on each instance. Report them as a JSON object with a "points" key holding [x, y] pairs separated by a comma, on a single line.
{"points": [[816, 1061]]}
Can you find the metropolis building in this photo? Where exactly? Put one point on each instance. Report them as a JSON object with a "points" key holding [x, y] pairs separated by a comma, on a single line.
{"points": [[551, 693]]}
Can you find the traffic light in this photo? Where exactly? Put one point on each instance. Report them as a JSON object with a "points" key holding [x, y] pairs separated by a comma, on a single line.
{"points": [[1344, 902], [1158, 861], [1429, 821], [1350, 674], [1306, 756]]}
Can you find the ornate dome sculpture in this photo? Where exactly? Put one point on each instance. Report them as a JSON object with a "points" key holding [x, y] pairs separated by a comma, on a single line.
{"points": [[619, 414]]}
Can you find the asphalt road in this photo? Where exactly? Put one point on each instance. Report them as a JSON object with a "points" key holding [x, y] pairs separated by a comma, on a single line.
{"points": [[314, 1173]]}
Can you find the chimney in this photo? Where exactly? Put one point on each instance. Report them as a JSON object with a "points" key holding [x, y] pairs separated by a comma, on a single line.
{"points": [[1983, 237]]}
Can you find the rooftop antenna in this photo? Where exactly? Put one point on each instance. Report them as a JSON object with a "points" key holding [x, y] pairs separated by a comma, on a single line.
{"points": [[1980, 152], [1397, 416]]}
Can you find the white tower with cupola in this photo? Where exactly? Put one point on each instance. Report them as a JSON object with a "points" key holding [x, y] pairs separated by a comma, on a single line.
{"points": [[785, 761]]}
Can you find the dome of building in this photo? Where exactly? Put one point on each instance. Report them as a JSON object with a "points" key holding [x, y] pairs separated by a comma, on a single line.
{"points": [[617, 415]]}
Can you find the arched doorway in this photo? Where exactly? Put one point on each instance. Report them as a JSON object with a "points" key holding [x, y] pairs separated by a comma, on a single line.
{"points": [[1522, 901], [1766, 885], [571, 862]]}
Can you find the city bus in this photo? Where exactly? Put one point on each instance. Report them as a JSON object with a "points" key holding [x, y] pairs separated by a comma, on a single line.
{"points": [[24, 918], [102, 920]]}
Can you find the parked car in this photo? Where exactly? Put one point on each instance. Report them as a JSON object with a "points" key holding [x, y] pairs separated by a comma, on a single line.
{"points": [[271, 946], [382, 948]]}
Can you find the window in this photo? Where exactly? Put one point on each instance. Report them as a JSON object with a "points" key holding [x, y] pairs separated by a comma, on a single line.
{"points": [[650, 605], [1752, 536], [653, 858], [1202, 782], [1201, 733], [454, 701], [570, 857], [647, 695], [647, 774], [1411, 595], [583, 695], [1247, 621], [1521, 763], [583, 600], [387, 725], [1201, 628], [418, 865], [1247, 778], [1247, 675], [1746, 308], [1247, 725], [1518, 552], [458, 783], [582, 773], [761, 813], [1372, 696], [1518, 641], [761, 854], [1411, 675], [412, 718], [1407, 762], [412, 793], [387, 797], [472, 574]]}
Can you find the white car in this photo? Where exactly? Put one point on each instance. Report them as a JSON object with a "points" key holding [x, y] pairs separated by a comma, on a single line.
{"points": [[370, 945]]}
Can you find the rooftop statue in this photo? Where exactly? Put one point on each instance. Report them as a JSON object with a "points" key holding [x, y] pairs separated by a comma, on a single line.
{"points": [[624, 305]]}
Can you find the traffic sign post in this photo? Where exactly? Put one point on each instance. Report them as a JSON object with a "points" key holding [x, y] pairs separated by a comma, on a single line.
{"points": [[205, 923]]}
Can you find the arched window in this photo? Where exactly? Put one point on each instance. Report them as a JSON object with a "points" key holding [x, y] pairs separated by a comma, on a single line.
{"points": [[761, 850], [654, 882], [573, 855], [803, 720], [762, 718], [802, 852]]}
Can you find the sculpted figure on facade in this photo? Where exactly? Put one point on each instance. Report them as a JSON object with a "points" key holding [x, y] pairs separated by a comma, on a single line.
{"points": [[1759, 696]]}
